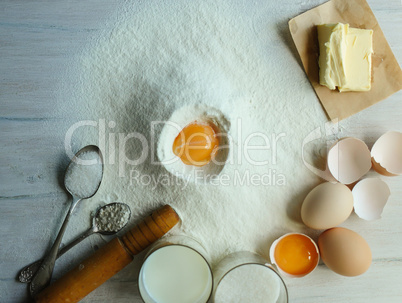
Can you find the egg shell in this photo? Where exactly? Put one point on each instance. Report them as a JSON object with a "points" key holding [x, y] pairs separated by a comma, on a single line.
{"points": [[344, 251], [327, 205], [273, 261], [370, 196], [348, 160], [386, 154]]}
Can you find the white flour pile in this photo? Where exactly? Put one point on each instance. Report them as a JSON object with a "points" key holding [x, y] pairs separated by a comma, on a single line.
{"points": [[82, 179], [160, 57], [248, 283]]}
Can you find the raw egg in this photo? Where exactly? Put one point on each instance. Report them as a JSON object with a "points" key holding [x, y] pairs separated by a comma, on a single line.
{"points": [[344, 251], [327, 205], [295, 255], [194, 144], [197, 143]]}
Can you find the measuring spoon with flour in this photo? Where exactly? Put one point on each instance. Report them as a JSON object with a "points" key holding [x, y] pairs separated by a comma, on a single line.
{"points": [[108, 220], [82, 180]]}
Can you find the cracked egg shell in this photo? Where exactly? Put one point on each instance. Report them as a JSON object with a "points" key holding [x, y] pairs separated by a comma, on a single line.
{"points": [[348, 160], [386, 154], [295, 255], [370, 196]]}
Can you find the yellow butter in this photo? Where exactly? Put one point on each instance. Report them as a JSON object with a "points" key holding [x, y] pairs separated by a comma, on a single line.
{"points": [[345, 57]]}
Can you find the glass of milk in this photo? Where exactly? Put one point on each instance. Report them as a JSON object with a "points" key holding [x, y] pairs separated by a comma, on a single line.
{"points": [[176, 270], [247, 277]]}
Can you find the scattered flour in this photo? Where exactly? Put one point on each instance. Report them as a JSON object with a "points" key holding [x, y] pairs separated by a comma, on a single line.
{"points": [[248, 283], [162, 56], [81, 179]]}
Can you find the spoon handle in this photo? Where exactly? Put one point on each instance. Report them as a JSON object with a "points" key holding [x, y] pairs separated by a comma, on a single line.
{"points": [[42, 277], [109, 259], [30, 270]]}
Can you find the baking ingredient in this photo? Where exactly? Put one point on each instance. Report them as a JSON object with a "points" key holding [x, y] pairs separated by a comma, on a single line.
{"points": [[112, 217], [175, 274], [295, 254], [214, 127], [83, 175], [344, 251], [197, 143], [357, 62], [385, 67], [370, 196], [386, 154], [331, 39], [148, 66], [348, 160], [248, 283], [327, 205], [345, 57]]}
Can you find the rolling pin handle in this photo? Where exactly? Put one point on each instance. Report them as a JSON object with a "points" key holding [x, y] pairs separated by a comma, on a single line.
{"points": [[109, 259]]}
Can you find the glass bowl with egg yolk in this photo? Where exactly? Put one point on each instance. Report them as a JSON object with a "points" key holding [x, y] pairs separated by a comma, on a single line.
{"points": [[295, 255], [197, 143]]}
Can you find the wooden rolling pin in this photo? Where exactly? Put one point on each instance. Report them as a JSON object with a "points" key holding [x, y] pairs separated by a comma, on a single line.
{"points": [[109, 259]]}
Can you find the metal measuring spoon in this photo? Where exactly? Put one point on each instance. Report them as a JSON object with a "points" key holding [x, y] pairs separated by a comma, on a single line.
{"points": [[27, 272], [42, 277]]}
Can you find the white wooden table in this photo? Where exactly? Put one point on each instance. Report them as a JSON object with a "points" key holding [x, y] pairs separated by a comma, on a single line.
{"points": [[35, 42]]}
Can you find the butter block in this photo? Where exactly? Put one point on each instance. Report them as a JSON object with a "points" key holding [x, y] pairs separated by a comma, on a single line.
{"points": [[358, 60], [331, 38], [345, 57]]}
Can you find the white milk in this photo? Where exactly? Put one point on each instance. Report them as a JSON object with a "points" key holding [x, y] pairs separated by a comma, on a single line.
{"points": [[175, 274]]}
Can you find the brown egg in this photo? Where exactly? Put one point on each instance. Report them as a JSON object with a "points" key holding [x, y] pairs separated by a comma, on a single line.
{"points": [[327, 205], [344, 251]]}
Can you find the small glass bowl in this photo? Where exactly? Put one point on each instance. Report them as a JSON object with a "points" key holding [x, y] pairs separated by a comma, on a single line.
{"points": [[237, 260]]}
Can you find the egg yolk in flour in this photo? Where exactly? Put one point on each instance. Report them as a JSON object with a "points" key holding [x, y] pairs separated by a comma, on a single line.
{"points": [[296, 254], [197, 143]]}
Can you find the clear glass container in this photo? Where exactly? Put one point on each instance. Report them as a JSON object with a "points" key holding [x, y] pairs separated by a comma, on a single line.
{"points": [[176, 270], [247, 277]]}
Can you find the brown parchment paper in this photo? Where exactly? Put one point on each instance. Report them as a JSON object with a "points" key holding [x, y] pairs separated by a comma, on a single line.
{"points": [[386, 73]]}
